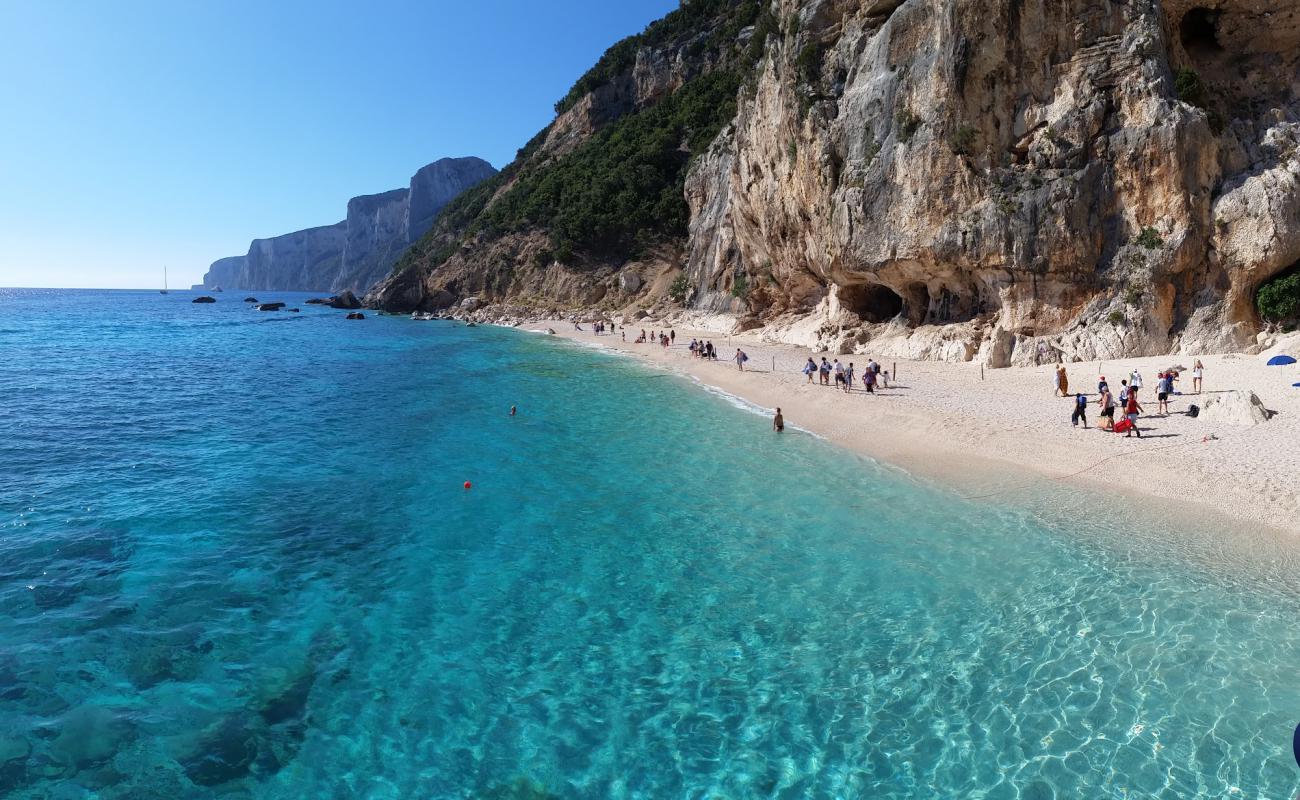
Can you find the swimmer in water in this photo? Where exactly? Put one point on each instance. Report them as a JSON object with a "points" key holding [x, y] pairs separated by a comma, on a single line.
{"points": [[778, 422], [512, 411]]}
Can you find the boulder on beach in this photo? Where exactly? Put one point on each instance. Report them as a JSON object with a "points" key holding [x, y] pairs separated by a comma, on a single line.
{"points": [[1234, 407], [345, 299], [204, 299], [356, 315], [270, 306]]}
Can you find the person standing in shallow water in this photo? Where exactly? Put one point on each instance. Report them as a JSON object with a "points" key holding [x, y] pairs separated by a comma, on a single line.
{"points": [[778, 422]]}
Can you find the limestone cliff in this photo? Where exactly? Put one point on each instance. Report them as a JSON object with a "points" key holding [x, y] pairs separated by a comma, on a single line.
{"points": [[359, 251], [1008, 180]]}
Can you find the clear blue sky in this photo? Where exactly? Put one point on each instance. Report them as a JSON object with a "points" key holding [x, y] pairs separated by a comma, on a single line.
{"points": [[142, 134]]}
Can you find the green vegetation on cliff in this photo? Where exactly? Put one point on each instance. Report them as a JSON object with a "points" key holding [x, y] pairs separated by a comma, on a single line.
{"points": [[1278, 299], [622, 188]]}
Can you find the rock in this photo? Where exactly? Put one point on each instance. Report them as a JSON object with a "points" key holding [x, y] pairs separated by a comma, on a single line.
{"points": [[629, 282], [254, 300], [225, 754], [89, 736], [1084, 208], [295, 310], [359, 251], [318, 301], [551, 331], [1235, 407], [204, 299], [356, 315], [270, 306], [345, 299]]}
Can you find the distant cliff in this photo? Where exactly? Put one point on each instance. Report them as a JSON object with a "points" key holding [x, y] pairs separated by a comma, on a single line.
{"points": [[359, 251], [998, 180]]}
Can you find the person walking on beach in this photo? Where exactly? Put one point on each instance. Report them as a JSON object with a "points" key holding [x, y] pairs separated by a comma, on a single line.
{"points": [[1135, 380], [810, 368], [1123, 393], [1164, 385], [1102, 385], [848, 377], [825, 371], [1062, 381], [1080, 411], [1107, 403], [778, 422], [672, 336], [1198, 371], [839, 373], [869, 379], [741, 358], [1131, 411]]}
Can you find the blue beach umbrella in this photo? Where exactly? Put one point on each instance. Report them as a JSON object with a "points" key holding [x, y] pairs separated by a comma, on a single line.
{"points": [[1280, 361]]}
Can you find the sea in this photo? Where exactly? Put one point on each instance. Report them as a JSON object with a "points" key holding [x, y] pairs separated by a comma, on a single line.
{"points": [[255, 554]]}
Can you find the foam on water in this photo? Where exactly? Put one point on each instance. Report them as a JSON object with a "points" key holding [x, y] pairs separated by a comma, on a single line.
{"points": [[236, 560]]}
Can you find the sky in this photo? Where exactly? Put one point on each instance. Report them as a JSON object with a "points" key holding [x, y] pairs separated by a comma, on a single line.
{"points": [[141, 135]]}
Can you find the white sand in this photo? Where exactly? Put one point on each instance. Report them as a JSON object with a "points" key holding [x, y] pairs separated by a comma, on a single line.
{"points": [[1003, 429]]}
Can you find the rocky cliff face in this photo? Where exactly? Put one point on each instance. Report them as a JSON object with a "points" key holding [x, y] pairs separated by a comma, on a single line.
{"points": [[224, 272], [359, 251], [1008, 180]]}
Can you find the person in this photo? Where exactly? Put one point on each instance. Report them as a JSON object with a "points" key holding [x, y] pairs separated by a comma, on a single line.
{"points": [[709, 352], [625, 334], [1102, 385], [512, 411], [848, 377], [838, 369], [1135, 380], [1060, 374], [1107, 403], [1123, 393], [1062, 380], [577, 327], [825, 371], [1164, 385], [741, 358], [778, 422], [1131, 411], [672, 334], [869, 380], [1080, 411], [810, 368], [1198, 371]]}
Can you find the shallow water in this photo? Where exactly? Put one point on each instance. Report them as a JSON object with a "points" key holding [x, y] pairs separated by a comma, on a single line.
{"points": [[237, 560]]}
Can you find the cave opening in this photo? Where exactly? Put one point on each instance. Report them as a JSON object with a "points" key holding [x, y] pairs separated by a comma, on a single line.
{"points": [[872, 302], [1199, 33], [917, 303]]}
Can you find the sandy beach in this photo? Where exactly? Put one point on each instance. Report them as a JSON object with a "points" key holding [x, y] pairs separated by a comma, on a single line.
{"points": [[992, 431]]}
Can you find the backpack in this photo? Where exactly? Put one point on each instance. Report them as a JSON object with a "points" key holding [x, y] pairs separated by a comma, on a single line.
{"points": [[1193, 411], [743, 358]]}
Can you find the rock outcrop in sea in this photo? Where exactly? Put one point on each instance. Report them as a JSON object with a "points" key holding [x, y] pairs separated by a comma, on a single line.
{"points": [[951, 179], [359, 251]]}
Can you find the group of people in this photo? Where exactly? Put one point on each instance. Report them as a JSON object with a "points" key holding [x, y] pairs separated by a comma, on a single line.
{"points": [[872, 376], [664, 339], [1127, 398], [703, 349]]}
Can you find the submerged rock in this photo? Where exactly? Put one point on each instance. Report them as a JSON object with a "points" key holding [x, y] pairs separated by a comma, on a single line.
{"points": [[225, 754], [270, 306], [356, 315], [250, 299], [204, 299], [318, 301]]}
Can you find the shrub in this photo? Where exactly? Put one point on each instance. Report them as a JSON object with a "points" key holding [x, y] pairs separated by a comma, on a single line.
{"points": [[1149, 238], [792, 150], [963, 141], [1133, 295], [678, 288], [739, 286], [808, 65], [1278, 299], [906, 124], [1115, 317], [1188, 86]]}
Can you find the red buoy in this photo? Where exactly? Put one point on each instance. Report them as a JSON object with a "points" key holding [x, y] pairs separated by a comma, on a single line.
{"points": [[468, 484]]}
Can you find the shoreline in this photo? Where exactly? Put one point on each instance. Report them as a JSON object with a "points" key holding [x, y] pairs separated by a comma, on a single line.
{"points": [[995, 432]]}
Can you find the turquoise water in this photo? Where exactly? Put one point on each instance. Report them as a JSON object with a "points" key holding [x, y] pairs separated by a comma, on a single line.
{"points": [[237, 560]]}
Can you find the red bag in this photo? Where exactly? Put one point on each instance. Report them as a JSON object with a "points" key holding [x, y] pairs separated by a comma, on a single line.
{"points": [[1123, 425]]}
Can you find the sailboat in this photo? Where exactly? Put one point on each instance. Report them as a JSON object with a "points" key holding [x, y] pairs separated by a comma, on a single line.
{"points": [[163, 290]]}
